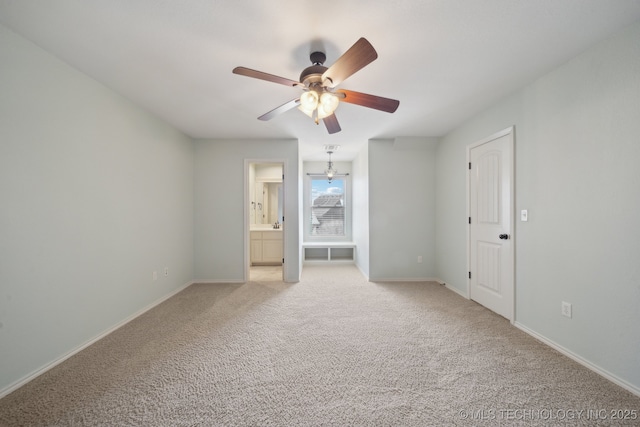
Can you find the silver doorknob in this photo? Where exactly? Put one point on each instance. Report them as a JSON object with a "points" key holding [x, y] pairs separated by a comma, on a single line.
{"points": [[504, 236]]}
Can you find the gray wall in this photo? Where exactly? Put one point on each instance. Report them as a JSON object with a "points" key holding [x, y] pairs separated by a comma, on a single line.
{"points": [[401, 209], [96, 195], [220, 203], [577, 144]]}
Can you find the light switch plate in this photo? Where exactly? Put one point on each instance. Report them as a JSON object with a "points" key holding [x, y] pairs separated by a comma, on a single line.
{"points": [[524, 215], [566, 309]]}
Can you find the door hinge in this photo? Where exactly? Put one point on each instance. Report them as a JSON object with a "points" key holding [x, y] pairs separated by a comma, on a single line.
{"points": [[469, 165], [469, 220], [469, 275], [283, 260]]}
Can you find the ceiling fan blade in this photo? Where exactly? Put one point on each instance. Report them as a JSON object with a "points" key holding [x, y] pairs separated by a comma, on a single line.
{"points": [[357, 57], [243, 71], [331, 122], [371, 101], [279, 110]]}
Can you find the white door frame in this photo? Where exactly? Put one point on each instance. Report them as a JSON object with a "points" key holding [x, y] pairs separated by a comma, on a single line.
{"points": [[247, 219], [508, 131]]}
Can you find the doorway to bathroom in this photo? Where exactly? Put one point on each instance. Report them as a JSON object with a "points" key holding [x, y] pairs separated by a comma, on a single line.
{"points": [[264, 207]]}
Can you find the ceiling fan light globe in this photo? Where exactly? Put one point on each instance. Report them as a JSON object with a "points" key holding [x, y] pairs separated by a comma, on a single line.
{"points": [[323, 112], [308, 112], [329, 102], [309, 100]]}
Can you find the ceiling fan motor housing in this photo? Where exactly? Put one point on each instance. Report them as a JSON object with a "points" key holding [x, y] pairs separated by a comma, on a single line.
{"points": [[313, 74]]}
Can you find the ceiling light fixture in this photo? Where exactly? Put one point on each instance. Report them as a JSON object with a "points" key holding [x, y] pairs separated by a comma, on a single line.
{"points": [[330, 171], [318, 103]]}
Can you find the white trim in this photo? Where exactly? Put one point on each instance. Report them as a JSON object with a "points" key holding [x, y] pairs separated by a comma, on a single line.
{"points": [[328, 244], [218, 281], [404, 279], [361, 270], [457, 291], [451, 288], [598, 370], [247, 234], [33, 375], [306, 209]]}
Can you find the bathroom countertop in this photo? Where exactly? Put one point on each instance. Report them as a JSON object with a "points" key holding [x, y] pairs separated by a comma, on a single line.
{"points": [[264, 227]]}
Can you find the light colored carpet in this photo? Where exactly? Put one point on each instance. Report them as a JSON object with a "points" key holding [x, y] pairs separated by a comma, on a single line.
{"points": [[333, 349], [265, 273]]}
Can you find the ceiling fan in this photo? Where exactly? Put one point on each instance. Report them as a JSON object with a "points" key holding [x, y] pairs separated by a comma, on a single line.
{"points": [[320, 99]]}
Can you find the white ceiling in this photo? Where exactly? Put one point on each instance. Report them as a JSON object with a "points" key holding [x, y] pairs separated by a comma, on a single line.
{"points": [[445, 60]]}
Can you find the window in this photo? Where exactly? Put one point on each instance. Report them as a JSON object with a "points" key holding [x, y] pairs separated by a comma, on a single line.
{"points": [[327, 213]]}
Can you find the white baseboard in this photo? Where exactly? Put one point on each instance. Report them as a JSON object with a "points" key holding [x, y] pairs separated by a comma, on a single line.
{"points": [[366, 276], [403, 279], [598, 370], [611, 377], [24, 380], [217, 282], [451, 288], [456, 290]]}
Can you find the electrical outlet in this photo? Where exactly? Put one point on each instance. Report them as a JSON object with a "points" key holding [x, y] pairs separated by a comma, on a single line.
{"points": [[166, 271], [524, 215], [154, 276], [419, 259], [566, 309]]}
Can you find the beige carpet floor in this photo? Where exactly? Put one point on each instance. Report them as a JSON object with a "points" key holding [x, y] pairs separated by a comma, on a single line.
{"points": [[265, 273], [332, 349]]}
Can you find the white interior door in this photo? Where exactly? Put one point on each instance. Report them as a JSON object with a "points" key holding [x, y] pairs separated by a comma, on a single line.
{"points": [[491, 245]]}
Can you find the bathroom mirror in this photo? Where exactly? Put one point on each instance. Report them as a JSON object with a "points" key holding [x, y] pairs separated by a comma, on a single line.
{"points": [[267, 202], [266, 194]]}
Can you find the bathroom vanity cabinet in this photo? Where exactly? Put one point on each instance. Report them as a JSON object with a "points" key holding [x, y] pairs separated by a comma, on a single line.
{"points": [[266, 247]]}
